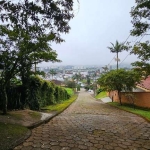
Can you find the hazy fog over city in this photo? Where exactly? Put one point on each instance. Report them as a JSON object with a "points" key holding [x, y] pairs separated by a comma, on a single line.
{"points": [[95, 25]]}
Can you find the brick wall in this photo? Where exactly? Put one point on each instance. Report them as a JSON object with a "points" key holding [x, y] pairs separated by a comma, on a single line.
{"points": [[142, 98]]}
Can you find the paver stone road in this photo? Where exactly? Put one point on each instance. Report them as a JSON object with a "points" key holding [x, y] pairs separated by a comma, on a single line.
{"points": [[90, 125]]}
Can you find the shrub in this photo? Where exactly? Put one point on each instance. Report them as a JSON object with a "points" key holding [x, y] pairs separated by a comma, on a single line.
{"points": [[39, 93]]}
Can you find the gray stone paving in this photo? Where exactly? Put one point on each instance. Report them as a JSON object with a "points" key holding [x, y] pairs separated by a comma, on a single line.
{"points": [[90, 125]]}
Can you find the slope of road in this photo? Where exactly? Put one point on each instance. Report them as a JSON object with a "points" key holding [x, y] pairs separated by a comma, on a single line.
{"points": [[91, 125]]}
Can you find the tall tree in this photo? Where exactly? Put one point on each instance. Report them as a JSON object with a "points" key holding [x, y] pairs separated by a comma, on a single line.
{"points": [[140, 14], [141, 25], [31, 26], [116, 48], [119, 80], [142, 68]]}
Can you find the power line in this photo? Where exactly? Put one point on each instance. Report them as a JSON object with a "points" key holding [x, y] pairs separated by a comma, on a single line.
{"points": [[111, 60], [134, 44], [127, 38]]}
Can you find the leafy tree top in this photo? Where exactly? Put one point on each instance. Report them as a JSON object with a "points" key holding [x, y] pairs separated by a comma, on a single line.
{"points": [[142, 50], [140, 14], [48, 16], [117, 47], [119, 80]]}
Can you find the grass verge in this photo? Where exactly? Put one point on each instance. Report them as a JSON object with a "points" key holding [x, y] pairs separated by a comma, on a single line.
{"points": [[101, 95], [9, 134], [61, 106], [145, 113], [69, 91]]}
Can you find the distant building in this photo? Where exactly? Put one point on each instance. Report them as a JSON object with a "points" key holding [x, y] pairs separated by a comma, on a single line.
{"points": [[57, 82]]}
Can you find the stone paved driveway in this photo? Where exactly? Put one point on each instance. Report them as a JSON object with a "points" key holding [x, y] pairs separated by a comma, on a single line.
{"points": [[90, 125]]}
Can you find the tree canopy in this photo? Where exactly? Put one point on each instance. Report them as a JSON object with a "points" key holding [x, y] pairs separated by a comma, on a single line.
{"points": [[120, 80], [140, 14], [27, 29], [141, 25]]}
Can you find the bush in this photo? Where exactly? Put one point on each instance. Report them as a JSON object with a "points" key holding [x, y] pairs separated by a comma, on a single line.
{"points": [[39, 93], [99, 90]]}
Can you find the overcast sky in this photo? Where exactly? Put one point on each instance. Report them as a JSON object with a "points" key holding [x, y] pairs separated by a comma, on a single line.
{"points": [[95, 25]]}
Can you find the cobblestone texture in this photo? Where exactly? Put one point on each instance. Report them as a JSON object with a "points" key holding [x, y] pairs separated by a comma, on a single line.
{"points": [[90, 125]]}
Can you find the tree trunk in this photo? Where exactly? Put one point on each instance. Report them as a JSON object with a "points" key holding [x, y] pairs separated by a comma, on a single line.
{"points": [[119, 95], [4, 100], [117, 60], [23, 91]]}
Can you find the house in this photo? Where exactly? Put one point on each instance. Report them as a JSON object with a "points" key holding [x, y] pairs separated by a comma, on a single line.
{"points": [[144, 85], [141, 94], [57, 82]]}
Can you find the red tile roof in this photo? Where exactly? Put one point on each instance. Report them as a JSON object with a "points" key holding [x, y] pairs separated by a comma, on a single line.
{"points": [[145, 84]]}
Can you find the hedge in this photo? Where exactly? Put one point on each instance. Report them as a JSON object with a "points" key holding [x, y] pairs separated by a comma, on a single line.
{"points": [[39, 93]]}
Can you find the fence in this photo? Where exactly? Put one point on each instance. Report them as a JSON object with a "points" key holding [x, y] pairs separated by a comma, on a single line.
{"points": [[142, 99]]}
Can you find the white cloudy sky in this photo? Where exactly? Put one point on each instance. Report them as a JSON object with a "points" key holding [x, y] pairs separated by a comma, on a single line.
{"points": [[95, 25]]}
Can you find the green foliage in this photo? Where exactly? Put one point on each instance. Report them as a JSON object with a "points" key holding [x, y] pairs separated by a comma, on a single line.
{"points": [[142, 50], [99, 90], [70, 84], [142, 68], [116, 48], [39, 93], [88, 80], [52, 72], [26, 32], [42, 93], [42, 73], [77, 77], [78, 87], [70, 91], [33, 93], [60, 106], [140, 14], [119, 80], [101, 95]]}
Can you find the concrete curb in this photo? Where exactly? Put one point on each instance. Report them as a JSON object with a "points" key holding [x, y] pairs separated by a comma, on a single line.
{"points": [[36, 124], [19, 141]]}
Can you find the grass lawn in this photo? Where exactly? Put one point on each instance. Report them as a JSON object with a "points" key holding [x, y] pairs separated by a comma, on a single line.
{"points": [[101, 95], [69, 91], [61, 106], [9, 133], [139, 111]]}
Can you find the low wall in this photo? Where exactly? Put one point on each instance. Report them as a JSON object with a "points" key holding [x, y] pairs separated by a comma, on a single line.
{"points": [[142, 98]]}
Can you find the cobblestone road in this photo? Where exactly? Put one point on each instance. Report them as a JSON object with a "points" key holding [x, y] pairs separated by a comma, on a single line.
{"points": [[90, 125]]}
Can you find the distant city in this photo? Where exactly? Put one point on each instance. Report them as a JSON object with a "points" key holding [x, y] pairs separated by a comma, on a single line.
{"points": [[68, 71]]}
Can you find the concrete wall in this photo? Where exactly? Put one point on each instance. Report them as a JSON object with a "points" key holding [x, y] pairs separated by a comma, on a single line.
{"points": [[142, 98]]}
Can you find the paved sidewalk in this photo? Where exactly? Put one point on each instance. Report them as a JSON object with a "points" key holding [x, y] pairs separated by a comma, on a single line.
{"points": [[106, 99], [90, 125]]}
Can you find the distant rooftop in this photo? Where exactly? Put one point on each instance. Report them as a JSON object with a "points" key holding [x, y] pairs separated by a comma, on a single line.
{"points": [[145, 84]]}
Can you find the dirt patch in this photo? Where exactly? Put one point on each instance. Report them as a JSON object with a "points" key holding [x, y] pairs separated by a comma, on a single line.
{"points": [[21, 117]]}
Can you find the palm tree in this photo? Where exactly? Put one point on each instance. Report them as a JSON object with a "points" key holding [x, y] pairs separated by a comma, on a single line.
{"points": [[52, 72], [116, 48]]}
